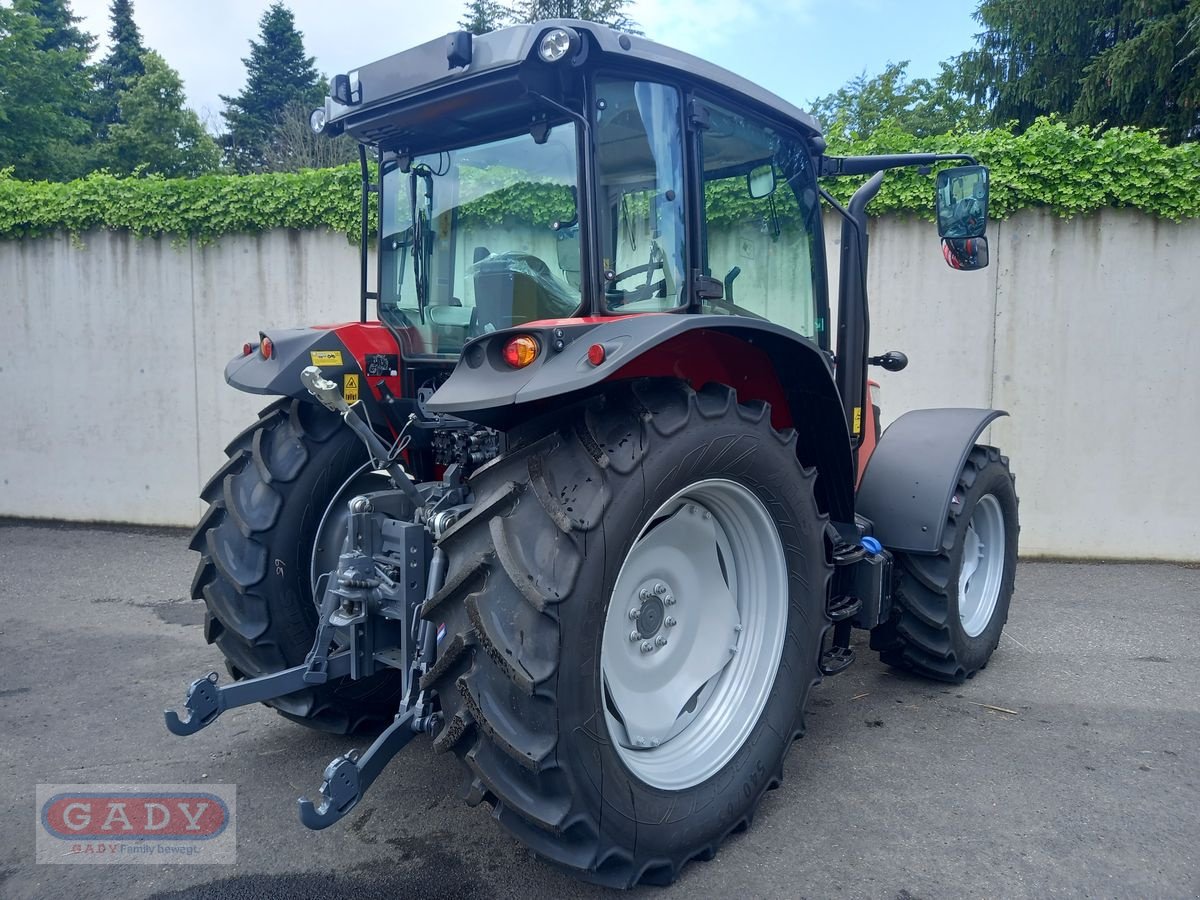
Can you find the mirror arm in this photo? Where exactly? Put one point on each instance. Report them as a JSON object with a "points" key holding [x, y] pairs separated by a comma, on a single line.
{"points": [[837, 166]]}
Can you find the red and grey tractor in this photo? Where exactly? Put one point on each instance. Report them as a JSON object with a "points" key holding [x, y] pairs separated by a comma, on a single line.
{"points": [[599, 496]]}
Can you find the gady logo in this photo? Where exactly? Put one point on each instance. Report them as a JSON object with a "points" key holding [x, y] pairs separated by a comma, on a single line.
{"points": [[135, 816], [136, 823]]}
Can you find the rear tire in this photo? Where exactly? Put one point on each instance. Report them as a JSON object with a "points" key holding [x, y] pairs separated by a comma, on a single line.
{"points": [[256, 548], [532, 572], [937, 629]]}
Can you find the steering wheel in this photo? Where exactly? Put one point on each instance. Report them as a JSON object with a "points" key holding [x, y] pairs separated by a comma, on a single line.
{"points": [[967, 213], [647, 289]]}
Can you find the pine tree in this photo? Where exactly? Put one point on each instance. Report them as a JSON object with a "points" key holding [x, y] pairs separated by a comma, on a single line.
{"points": [[60, 23], [123, 63], [156, 132], [1111, 62], [612, 13], [277, 73], [482, 16], [45, 91]]}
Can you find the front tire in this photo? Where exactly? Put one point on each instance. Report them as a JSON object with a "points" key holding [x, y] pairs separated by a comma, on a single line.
{"points": [[950, 608], [535, 598], [256, 545]]}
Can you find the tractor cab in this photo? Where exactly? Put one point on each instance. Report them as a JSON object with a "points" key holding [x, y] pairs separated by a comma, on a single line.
{"points": [[564, 170]]}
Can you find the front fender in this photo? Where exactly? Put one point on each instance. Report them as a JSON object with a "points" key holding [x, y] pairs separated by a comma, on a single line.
{"points": [[910, 479]]}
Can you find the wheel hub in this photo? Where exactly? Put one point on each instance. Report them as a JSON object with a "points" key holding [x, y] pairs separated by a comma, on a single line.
{"points": [[651, 616], [693, 633]]}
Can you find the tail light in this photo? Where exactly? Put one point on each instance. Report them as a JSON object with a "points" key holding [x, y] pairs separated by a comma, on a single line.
{"points": [[520, 351], [266, 347]]}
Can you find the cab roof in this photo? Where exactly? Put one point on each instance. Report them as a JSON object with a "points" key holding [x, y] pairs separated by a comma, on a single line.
{"points": [[433, 70]]}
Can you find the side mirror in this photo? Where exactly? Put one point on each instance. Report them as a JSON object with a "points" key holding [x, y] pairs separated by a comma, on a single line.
{"points": [[961, 198], [966, 254], [760, 181]]}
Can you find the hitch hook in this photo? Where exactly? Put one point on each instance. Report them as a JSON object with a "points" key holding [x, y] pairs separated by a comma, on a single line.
{"points": [[205, 701], [203, 704], [347, 778]]}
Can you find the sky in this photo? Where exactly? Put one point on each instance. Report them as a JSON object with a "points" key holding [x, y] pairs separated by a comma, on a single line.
{"points": [[800, 49]]}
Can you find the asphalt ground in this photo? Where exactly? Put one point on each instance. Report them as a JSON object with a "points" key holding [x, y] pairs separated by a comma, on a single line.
{"points": [[1069, 768]]}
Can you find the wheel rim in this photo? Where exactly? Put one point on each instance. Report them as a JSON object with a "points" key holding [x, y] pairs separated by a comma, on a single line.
{"points": [[331, 532], [982, 569], [693, 634]]}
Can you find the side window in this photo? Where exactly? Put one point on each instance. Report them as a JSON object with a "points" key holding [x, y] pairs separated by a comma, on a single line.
{"points": [[639, 163], [762, 223]]}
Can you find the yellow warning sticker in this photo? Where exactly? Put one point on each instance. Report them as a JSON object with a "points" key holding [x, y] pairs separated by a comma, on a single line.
{"points": [[325, 357], [350, 389], [857, 418]]}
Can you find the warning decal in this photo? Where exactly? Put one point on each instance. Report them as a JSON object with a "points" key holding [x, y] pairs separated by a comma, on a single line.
{"points": [[325, 357], [350, 389]]}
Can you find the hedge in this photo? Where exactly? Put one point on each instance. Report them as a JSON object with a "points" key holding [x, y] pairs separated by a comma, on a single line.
{"points": [[1068, 170]]}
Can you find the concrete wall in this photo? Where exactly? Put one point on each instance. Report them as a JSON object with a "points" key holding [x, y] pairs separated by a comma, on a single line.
{"points": [[1085, 330]]}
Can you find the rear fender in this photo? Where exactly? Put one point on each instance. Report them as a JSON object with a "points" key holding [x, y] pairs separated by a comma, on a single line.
{"points": [[761, 361], [910, 479], [358, 356]]}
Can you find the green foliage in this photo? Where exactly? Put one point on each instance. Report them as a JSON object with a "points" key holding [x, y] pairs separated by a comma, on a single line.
{"points": [[155, 132], [60, 23], [1068, 170], [1097, 62], [123, 63], [204, 207], [1071, 170], [45, 91], [613, 13], [277, 73], [920, 106], [482, 16]]}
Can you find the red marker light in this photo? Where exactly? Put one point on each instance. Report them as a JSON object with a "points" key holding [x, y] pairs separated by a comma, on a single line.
{"points": [[520, 351], [247, 348], [596, 354], [266, 347]]}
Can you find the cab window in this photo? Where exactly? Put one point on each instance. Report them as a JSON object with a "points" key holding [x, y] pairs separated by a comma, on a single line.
{"points": [[639, 179], [762, 224]]}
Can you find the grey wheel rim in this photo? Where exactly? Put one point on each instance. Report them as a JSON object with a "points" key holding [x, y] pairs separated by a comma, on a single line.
{"points": [[982, 572], [331, 532], [694, 633]]}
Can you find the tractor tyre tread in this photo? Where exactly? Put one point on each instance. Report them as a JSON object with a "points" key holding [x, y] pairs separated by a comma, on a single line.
{"points": [[259, 610], [921, 637], [503, 605]]}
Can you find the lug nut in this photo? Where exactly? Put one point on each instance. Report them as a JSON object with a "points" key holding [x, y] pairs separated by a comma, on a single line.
{"points": [[669, 599], [634, 613], [660, 589], [645, 594], [647, 646], [738, 628], [670, 622], [660, 641], [634, 636]]}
